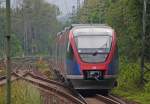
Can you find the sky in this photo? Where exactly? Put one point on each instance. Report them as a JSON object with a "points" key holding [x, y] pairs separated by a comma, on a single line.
{"points": [[65, 6]]}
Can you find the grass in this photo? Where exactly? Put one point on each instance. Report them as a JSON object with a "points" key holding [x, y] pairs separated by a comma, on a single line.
{"points": [[129, 86], [139, 96], [22, 93]]}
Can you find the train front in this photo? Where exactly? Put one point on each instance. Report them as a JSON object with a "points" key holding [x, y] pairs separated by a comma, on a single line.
{"points": [[95, 60]]}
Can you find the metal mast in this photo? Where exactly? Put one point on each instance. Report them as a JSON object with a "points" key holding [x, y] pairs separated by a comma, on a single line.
{"points": [[8, 49], [143, 40]]}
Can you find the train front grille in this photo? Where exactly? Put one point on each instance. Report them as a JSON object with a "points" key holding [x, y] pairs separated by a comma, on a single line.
{"points": [[90, 58]]}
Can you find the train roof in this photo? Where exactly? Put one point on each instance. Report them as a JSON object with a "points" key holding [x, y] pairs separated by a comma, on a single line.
{"points": [[87, 29], [90, 25], [84, 25]]}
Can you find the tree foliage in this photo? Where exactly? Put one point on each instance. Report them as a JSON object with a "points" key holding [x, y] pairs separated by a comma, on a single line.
{"points": [[34, 22], [125, 16]]}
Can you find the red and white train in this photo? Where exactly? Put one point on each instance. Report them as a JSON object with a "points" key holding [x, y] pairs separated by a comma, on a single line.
{"points": [[87, 56]]}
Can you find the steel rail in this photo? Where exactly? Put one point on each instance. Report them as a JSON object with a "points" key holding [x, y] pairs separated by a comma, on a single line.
{"points": [[117, 99], [14, 77], [49, 81], [100, 99], [107, 99]]}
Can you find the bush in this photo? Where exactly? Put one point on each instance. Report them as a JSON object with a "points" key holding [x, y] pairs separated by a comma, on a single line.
{"points": [[147, 87], [129, 76]]}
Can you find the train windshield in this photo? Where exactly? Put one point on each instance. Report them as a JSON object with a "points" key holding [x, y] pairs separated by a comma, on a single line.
{"points": [[93, 44]]}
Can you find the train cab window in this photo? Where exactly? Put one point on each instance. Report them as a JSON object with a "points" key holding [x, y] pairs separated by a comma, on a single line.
{"points": [[93, 44], [100, 43]]}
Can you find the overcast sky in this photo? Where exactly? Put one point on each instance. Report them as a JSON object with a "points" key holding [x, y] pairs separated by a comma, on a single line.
{"points": [[65, 5]]}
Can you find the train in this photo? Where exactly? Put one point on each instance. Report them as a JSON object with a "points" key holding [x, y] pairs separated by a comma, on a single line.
{"points": [[86, 56]]}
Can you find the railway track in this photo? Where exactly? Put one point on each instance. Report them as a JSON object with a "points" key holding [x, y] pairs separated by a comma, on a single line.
{"points": [[14, 77], [53, 88], [100, 99]]}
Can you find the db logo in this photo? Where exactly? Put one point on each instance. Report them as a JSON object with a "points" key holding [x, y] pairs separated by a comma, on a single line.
{"points": [[94, 67]]}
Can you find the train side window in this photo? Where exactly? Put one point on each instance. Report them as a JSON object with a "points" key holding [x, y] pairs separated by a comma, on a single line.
{"points": [[69, 51]]}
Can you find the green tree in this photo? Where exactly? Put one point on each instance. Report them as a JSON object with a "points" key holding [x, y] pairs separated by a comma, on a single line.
{"points": [[125, 16], [34, 23]]}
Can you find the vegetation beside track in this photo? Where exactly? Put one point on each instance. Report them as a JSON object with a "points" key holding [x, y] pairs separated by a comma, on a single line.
{"points": [[44, 68], [129, 83], [22, 93], [136, 95]]}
